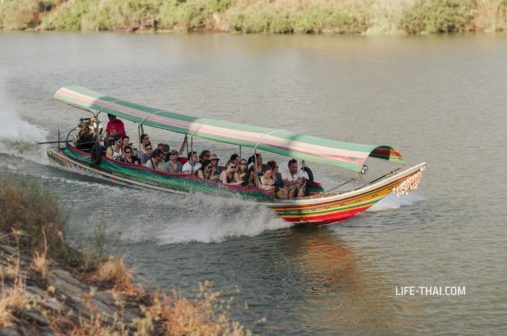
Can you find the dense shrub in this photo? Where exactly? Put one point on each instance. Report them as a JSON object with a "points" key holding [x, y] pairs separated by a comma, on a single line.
{"points": [[33, 215], [437, 16], [257, 16]]}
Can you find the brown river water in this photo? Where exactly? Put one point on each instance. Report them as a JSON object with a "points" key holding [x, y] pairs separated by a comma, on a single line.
{"points": [[437, 99]]}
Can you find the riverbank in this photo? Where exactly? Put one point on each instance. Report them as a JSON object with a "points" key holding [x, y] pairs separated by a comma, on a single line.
{"points": [[258, 16], [49, 288]]}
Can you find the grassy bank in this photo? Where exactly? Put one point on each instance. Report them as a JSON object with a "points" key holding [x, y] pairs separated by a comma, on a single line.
{"points": [[258, 16], [49, 288]]}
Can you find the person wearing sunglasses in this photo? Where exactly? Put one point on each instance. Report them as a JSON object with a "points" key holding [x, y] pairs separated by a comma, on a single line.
{"points": [[129, 156], [143, 154], [229, 175], [173, 165], [114, 151]]}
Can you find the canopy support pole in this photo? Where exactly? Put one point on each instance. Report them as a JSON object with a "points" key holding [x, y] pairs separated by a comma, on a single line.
{"points": [[192, 164], [140, 131]]}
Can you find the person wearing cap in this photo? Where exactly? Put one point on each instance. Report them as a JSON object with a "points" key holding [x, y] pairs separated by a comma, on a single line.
{"points": [[173, 165], [114, 152], [114, 128], [215, 168]]}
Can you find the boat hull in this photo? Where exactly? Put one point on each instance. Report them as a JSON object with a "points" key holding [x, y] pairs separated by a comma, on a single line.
{"points": [[317, 210]]}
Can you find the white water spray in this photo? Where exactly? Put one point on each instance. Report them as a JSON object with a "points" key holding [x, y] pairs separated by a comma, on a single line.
{"points": [[391, 202], [17, 136]]}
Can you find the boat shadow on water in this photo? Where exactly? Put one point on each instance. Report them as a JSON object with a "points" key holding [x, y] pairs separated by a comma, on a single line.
{"points": [[341, 290]]}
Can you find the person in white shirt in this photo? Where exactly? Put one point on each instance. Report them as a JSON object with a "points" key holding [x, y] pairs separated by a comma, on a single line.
{"points": [[294, 180], [192, 165]]}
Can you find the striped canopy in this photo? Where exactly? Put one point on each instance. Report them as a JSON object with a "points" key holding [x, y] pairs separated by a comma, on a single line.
{"points": [[345, 155]]}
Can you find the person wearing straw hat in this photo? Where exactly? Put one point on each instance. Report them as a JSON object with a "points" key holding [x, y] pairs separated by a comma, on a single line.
{"points": [[215, 168]]}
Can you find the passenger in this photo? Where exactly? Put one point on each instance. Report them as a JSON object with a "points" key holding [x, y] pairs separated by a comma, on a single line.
{"points": [[229, 175], [155, 160], [205, 154], [256, 167], [129, 156], [147, 154], [192, 165], [205, 171], [243, 173], [114, 151], [236, 158], [166, 149], [143, 152], [280, 191], [267, 182], [173, 165], [114, 128], [294, 180], [85, 138], [124, 144], [216, 170]]}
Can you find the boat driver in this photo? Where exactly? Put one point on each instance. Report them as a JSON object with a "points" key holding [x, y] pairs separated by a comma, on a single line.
{"points": [[114, 128]]}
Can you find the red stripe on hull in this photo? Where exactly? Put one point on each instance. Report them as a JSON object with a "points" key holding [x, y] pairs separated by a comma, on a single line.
{"points": [[327, 219]]}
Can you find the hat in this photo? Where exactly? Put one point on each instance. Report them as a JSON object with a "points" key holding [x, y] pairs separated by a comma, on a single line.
{"points": [[213, 157]]}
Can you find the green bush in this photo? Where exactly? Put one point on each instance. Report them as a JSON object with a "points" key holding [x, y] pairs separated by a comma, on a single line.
{"points": [[30, 211], [69, 16], [437, 16]]}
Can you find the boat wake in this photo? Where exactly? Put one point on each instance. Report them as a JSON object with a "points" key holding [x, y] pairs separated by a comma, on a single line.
{"points": [[199, 218], [392, 202], [18, 137]]}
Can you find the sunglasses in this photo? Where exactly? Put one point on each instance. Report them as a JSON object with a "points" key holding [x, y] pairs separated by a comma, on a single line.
{"points": [[233, 167], [128, 152], [148, 148]]}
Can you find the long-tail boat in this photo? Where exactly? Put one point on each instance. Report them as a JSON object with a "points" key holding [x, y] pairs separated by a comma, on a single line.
{"points": [[321, 207]]}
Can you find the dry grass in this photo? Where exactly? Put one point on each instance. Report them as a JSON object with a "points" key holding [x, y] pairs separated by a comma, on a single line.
{"points": [[36, 223], [40, 262], [115, 272], [205, 315], [13, 296], [13, 300]]}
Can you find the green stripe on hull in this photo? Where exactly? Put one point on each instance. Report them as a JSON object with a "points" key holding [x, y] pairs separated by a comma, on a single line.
{"points": [[177, 182]]}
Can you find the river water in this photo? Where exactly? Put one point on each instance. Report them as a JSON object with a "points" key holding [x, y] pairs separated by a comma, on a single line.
{"points": [[437, 99]]}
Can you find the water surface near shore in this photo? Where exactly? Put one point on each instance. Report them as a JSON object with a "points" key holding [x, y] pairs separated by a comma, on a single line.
{"points": [[436, 99]]}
